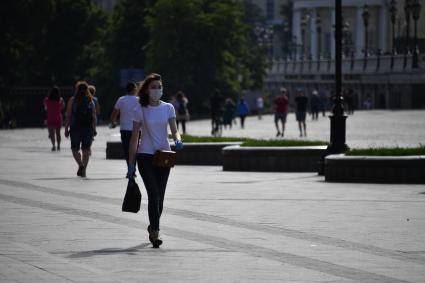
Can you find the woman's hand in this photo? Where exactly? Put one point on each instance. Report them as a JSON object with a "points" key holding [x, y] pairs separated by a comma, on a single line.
{"points": [[66, 132], [179, 144], [131, 170]]}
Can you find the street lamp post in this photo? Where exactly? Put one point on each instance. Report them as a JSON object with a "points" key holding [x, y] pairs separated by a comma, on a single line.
{"points": [[407, 8], [365, 16], [338, 119], [416, 11], [393, 12]]}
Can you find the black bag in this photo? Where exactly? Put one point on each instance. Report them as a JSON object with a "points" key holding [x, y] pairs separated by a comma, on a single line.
{"points": [[132, 197]]}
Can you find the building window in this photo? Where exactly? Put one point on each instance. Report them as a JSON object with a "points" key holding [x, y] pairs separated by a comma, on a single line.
{"points": [[270, 9]]}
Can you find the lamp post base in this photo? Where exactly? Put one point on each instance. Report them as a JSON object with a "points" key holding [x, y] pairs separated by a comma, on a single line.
{"points": [[337, 144]]}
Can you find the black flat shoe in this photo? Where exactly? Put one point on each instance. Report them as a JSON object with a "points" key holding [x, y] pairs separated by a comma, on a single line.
{"points": [[80, 171], [156, 243]]}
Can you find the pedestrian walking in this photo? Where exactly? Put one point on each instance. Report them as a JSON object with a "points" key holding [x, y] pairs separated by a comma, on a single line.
{"points": [[281, 111], [216, 110], [300, 113], [92, 90], [81, 125], [54, 104], [182, 110], [260, 106], [228, 113], [243, 110], [315, 105], [124, 109], [152, 116], [324, 97], [349, 101]]}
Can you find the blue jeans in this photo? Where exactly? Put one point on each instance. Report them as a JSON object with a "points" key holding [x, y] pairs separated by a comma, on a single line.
{"points": [[155, 180]]}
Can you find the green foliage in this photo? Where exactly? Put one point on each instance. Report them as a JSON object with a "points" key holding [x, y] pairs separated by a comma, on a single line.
{"points": [[189, 138], [251, 142], [52, 41], [199, 46], [123, 45], [397, 151]]}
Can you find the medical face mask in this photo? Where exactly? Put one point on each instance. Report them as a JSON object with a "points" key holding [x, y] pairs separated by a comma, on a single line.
{"points": [[155, 94]]}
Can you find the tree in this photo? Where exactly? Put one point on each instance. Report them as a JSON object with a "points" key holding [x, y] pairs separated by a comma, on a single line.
{"points": [[199, 46], [123, 45], [73, 42], [23, 27], [52, 41]]}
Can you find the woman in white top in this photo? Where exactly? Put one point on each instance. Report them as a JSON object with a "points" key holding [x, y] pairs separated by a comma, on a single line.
{"points": [[152, 116]]}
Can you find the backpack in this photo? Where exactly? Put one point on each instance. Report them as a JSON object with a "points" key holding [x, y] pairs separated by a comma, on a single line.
{"points": [[83, 114]]}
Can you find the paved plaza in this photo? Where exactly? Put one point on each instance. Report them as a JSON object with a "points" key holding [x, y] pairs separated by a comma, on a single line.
{"points": [[217, 226]]}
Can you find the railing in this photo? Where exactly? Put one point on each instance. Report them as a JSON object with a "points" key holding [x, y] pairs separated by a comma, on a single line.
{"points": [[350, 65]]}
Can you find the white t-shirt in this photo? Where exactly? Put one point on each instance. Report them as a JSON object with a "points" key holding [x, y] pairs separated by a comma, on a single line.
{"points": [[156, 118], [260, 103], [126, 105]]}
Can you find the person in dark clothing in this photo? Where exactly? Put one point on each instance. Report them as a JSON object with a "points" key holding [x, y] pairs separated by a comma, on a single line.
{"points": [[301, 109], [182, 114], [349, 101], [281, 111], [81, 125], [315, 105], [229, 113], [216, 113], [243, 110]]}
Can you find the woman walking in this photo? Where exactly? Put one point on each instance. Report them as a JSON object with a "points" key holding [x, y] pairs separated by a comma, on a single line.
{"points": [[54, 105], [81, 125], [182, 110], [152, 116]]}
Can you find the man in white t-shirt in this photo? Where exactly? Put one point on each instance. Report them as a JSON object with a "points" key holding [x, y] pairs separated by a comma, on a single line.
{"points": [[124, 107]]}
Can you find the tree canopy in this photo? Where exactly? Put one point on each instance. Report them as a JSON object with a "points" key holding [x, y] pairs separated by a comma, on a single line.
{"points": [[197, 45]]}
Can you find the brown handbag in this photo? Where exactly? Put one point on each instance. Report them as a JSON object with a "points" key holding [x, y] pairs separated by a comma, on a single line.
{"points": [[164, 158]]}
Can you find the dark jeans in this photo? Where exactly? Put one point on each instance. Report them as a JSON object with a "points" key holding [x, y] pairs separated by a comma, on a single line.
{"points": [[183, 125], [125, 142], [155, 180], [242, 120]]}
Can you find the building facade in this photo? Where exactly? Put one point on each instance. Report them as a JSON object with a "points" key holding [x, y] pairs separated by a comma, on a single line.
{"points": [[378, 46]]}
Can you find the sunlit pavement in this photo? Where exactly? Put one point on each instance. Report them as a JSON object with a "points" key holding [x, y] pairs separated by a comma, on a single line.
{"points": [[217, 226]]}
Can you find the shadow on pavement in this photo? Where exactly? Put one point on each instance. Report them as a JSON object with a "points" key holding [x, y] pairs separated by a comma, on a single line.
{"points": [[109, 251]]}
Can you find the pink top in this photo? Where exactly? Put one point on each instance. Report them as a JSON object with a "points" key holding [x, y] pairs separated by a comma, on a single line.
{"points": [[54, 115]]}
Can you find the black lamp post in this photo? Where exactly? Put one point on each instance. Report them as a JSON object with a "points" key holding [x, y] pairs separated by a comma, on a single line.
{"points": [[365, 16], [393, 12], [337, 142], [416, 11], [319, 42], [407, 9]]}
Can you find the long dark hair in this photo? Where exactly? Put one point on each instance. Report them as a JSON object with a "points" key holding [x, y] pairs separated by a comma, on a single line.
{"points": [[82, 92], [143, 92], [54, 94]]}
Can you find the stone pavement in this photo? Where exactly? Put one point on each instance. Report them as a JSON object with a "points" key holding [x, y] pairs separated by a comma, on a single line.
{"points": [[364, 128], [217, 226]]}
